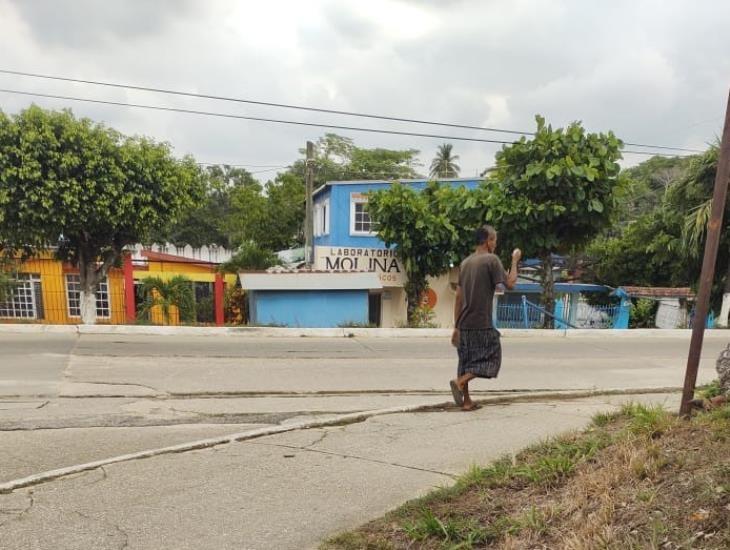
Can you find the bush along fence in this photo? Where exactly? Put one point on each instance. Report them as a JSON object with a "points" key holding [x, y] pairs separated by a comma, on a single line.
{"points": [[44, 290], [575, 315]]}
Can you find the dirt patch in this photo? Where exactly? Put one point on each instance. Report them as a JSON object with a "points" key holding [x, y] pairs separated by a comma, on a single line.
{"points": [[641, 478]]}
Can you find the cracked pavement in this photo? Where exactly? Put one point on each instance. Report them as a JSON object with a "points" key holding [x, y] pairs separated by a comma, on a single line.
{"points": [[68, 400]]}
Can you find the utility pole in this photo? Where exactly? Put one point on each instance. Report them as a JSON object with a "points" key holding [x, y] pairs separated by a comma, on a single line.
{"points": [[309, 215], [714, 228]]}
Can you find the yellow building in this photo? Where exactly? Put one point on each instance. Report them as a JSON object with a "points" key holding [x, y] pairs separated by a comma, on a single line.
{"points": [[48, 290]]}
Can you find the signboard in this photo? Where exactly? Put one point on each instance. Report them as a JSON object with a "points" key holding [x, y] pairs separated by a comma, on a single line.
{"points": [[378, 260]]}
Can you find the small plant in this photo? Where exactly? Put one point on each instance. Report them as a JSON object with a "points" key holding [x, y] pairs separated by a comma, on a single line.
{"points": [[356, 324], [235, 307], [643, 313], [601, 420], [423, 317], [164, 294], [428, 525], [708, 391], [651, 421]]}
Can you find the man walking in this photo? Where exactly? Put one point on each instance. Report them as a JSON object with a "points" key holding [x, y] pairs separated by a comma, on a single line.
{"points": [[476, 339]]}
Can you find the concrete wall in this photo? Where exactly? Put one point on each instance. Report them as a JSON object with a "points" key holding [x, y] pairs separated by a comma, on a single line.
{"points": [[394, 312], [309, 308], [444, 288]]}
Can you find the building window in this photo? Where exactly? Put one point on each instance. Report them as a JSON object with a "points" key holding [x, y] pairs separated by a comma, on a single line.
{"points": [[322, 219], [26, 299], [73, 296], [360, 222]]}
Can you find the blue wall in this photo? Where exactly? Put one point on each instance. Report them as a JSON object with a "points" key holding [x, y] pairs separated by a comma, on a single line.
{"points": [[308, 308], [339, 195]]}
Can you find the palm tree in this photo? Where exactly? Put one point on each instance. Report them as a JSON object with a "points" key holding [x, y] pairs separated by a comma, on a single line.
{"points": [[176, 291], [444, 165]]}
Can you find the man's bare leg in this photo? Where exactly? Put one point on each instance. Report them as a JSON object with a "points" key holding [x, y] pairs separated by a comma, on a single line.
{"points": [[463, 383]]}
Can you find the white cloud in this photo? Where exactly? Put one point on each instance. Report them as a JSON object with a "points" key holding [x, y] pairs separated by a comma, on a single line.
{"points": [[652, 71]]}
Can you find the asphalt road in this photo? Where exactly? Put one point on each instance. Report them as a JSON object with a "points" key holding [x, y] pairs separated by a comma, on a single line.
{"points": [[68, 400]]}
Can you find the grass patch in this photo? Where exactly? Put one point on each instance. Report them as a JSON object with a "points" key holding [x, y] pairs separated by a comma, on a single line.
{"points": [[708, 391], [637, 478]]}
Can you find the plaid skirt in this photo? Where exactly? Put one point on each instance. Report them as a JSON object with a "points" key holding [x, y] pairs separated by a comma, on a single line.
{"points": [[480, 352]]}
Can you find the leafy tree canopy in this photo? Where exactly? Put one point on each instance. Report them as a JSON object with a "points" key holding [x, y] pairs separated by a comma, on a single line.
{"points": [[553, 193], [86, 189]]}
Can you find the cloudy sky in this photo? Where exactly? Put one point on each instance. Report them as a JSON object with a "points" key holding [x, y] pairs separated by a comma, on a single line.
{"points": [[654, 72]]}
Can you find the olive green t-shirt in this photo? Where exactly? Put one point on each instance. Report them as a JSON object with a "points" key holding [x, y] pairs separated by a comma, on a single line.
{"points": [[479, 275]]}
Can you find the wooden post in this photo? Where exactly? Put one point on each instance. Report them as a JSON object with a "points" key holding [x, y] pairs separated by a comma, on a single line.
{"points": [[129, 298], [219, 299], [309, 214], [712, 242]]}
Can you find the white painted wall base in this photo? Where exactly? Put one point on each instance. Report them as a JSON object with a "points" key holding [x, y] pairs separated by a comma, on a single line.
{"points": [[721, 321], [269, 332]]}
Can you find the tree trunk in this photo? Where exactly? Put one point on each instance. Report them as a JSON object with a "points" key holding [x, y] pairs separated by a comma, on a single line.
{"points": [[89, 282], [548, 289], [414, 287]]}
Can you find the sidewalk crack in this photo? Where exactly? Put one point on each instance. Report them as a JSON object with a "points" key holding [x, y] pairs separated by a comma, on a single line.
{"points": [[362, 458]]}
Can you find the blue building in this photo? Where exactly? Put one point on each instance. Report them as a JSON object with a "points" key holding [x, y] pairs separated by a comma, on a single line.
{"points": [[345, 242], [346, 248]]}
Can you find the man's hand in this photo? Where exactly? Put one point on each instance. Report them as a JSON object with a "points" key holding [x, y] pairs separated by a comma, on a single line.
{"points": [[516, 255], [455, 336]]}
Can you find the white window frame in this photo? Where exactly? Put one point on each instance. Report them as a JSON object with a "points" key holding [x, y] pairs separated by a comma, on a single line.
{"points": [[354, 201], [322, 218], [22, 303], [102, 295]]}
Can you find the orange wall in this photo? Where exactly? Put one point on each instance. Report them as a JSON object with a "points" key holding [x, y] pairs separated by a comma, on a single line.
{"points": [[55, 300], [53, 285]]}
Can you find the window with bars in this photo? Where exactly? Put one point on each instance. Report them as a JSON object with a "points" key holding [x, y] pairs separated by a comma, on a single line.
{"points": [[360, 222], [26, 299], [73, 297]]}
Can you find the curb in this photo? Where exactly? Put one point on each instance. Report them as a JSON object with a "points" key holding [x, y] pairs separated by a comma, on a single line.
{"points": [[270, 332], [339, 420]]}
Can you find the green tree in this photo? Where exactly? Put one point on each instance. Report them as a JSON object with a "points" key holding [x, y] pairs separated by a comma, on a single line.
{"points": [[250, 257], [643, 188], [431, 230], [283, 224], [444, 163], [664, 247], [247, 213], [553, 193], [337, 158], [205, 223], [164, 294], [86, 189]]}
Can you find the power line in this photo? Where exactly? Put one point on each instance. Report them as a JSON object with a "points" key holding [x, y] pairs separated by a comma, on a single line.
{"points": [[305, 108], [242, 165], [258, 119], [280, 121]]}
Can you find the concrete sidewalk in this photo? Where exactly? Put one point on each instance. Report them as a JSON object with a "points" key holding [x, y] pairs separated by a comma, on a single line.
{"points": [[284, 491], [337, 332]]}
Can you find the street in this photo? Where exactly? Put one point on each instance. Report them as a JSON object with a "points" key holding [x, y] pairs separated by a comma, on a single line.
{"points": [[67, 400]]}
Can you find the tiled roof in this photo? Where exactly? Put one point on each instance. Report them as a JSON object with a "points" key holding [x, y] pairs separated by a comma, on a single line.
{"points": [[172, 258], [659, 292]]}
